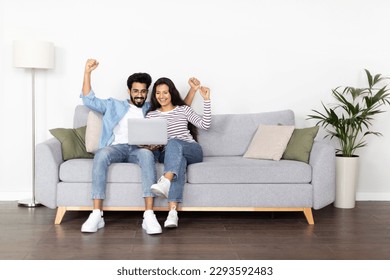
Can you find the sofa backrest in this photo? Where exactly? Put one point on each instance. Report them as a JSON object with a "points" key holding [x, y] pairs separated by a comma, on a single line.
{"points": [[229, 134], [80, 116]]}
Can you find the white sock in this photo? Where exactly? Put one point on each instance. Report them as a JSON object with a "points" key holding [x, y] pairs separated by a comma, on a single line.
{"points": [[149, 212], [98, 211]]}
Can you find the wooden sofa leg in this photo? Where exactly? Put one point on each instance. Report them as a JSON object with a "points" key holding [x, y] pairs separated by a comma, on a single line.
{"points": [[309, 215], [60, 214]]}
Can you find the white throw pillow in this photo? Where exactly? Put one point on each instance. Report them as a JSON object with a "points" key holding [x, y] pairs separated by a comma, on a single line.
{"points": [[93, 131], [269, 142]]}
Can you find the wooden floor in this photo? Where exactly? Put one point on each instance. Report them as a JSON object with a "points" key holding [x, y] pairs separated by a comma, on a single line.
{"points": [[359, 233]]}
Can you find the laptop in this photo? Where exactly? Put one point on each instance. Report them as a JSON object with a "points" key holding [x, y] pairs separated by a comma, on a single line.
{"points": [[147, 131]]}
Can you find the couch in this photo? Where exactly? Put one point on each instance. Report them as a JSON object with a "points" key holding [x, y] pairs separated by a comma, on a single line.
{"points": [[224, 181]]}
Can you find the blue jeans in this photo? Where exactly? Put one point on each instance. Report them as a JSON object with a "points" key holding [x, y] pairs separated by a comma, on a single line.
{"points": [[105, 156], [176, 156]]}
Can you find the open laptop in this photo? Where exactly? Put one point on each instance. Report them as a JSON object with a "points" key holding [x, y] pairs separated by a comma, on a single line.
{"points": [[147, 131]]}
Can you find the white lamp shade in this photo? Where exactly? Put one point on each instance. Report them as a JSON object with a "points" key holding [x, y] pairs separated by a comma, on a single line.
{"points": [[33, 54]]}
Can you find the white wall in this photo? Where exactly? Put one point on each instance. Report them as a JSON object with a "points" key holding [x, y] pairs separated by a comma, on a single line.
{"points": [[256, 55]]}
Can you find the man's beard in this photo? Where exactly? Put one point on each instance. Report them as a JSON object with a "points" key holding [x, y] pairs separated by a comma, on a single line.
{"points": [[138, 101]]}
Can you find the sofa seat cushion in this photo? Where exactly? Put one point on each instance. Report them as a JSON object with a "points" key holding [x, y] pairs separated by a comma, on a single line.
{"points": [[213, 170], [80, 170], [239, 170]]}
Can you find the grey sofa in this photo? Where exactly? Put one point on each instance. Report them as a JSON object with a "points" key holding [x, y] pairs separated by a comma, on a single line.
{"points": [[224, 181]]}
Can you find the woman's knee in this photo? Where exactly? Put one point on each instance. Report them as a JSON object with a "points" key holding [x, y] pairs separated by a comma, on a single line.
{"points": [[174, 145]]}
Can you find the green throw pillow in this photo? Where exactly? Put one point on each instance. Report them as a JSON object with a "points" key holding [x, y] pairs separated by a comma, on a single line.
{"points": [[72, 142], [300, 144]]}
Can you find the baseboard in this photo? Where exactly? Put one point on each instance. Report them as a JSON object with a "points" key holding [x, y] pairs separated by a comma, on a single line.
{"points": [[366, 196], [14, 196]]}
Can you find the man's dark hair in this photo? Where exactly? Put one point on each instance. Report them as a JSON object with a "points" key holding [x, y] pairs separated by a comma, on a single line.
{"points": [[143, 78]]}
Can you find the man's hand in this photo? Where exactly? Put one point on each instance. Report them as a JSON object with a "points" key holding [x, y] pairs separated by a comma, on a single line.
{"points": [[194, 83], [205, 92], [91, 65]]}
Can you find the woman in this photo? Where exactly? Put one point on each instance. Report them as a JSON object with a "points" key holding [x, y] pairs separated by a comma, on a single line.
{"points": [[182, 148]]}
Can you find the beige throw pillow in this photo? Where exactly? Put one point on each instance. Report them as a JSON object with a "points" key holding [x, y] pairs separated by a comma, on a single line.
{"points": [[93, 132], [269, 142]]}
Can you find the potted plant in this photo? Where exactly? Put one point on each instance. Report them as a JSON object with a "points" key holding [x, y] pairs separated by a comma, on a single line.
{"points": [[349, 120]]}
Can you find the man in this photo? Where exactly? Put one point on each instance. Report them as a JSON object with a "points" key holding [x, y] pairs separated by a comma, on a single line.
{"points": [[113, 145]]}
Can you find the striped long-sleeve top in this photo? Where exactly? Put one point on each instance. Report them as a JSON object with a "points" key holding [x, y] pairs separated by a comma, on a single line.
{"points": [[178, 118]]}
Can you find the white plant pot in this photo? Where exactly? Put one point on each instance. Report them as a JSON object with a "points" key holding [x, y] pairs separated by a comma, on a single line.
{"points": [[346, 181]]}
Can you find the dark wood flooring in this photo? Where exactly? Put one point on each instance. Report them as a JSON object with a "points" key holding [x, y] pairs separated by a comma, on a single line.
{"points": [[353, 234]]}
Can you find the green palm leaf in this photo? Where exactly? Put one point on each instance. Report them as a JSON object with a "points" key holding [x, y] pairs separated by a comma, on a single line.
{"points": [[350, 119]]}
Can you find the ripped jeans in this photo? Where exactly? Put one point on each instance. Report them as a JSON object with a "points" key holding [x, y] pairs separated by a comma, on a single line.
{"points": [[176, 156], [105, 156]]}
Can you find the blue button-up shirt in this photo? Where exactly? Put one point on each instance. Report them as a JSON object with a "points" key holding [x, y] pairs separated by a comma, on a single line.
{"points": [[113, 110]]}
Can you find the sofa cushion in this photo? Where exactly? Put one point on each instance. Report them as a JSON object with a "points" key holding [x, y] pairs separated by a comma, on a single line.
{"points": [[236, 170], [300, 144], [213, 170], [269, 142], [80, 116], [80, 170], [230, 134]]}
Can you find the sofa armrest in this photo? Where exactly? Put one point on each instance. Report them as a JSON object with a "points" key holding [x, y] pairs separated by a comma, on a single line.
{"points": [[323, 163], [48, 158]]}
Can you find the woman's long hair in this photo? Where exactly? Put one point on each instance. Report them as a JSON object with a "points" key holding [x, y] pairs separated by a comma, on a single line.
{"points": [[175, 99]]}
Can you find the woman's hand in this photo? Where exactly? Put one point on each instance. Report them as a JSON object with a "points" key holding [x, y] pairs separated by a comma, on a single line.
{"points": [[194, 83], [205, 92]]}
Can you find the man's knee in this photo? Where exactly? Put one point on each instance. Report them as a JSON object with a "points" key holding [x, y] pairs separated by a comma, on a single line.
{"points": [[102, 154], [145, 156]]}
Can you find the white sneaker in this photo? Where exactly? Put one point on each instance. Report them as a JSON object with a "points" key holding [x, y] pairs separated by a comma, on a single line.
{"points": [[162, 187], [150, 223], [172, 219], [94, 223]]}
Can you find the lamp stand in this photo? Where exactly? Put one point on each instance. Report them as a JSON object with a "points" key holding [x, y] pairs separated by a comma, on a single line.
{"points": [[32, 203]]}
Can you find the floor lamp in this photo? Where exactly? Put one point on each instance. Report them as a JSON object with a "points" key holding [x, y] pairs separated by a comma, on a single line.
{"points": [[33, 55]]}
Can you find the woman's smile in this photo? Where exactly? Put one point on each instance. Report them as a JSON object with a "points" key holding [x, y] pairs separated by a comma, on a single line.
{"points": [[163, 95]]}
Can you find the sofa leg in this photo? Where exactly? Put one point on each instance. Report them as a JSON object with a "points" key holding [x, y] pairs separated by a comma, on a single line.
{"points": [[60, 214], [309, 215]]}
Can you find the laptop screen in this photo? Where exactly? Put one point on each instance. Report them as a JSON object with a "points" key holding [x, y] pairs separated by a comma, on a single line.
{"points": [[147, 131]]}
